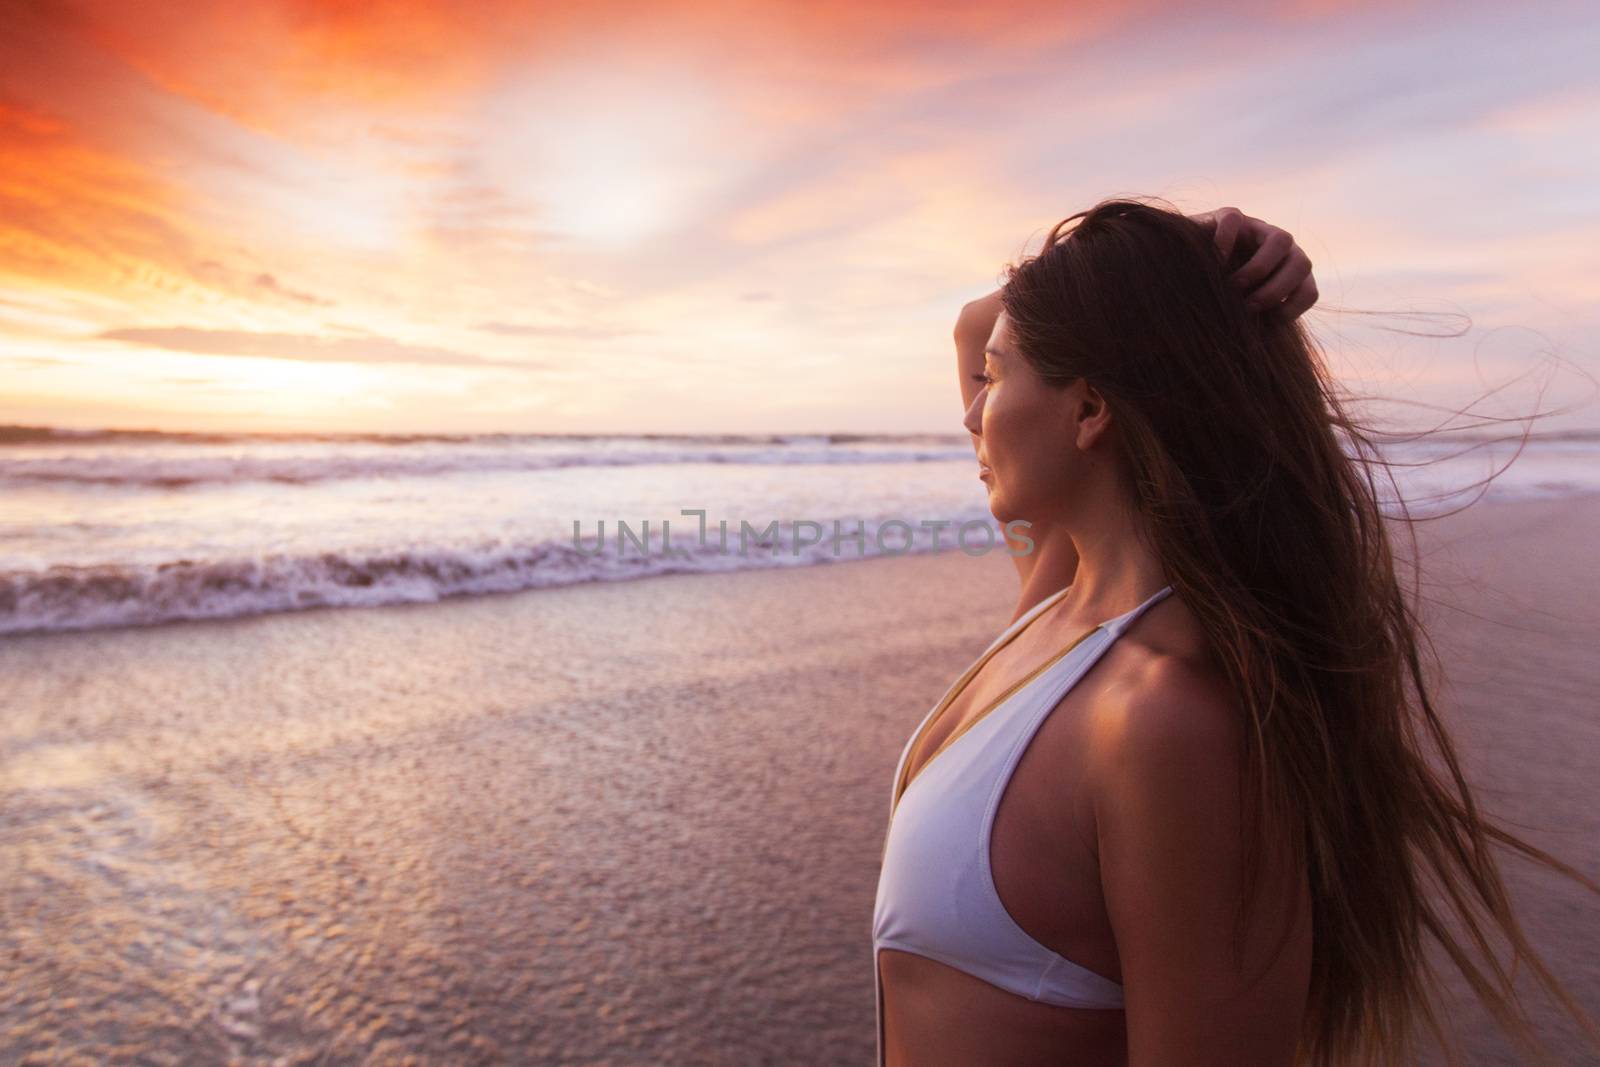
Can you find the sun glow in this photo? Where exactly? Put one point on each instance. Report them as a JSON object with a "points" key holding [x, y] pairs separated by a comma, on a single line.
{"points": [[608, 160]]}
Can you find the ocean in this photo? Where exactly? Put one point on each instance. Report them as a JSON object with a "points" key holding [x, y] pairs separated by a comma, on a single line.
{"points": [[117, 528]]}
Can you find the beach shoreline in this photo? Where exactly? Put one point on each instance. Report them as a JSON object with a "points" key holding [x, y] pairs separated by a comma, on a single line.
{"points": [[621, 821]]}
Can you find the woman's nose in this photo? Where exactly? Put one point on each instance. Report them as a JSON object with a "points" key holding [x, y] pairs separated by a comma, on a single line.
{"points": [[973, 420]]}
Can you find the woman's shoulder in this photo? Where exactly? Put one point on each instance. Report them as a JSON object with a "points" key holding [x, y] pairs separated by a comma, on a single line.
{"points": [[1165, 702]]}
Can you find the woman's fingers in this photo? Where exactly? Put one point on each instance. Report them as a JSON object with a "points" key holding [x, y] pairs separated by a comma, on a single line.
{"points": [[1294, 269], [1300, 300], [1225, 224], [1277, 274], [1274, 248]]}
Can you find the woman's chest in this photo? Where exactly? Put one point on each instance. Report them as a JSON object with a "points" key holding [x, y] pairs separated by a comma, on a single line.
{"points": [[1007, 673], [1023, 788]]}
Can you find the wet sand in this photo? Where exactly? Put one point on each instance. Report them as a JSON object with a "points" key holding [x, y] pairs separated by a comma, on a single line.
{"points": [[633, 822]]}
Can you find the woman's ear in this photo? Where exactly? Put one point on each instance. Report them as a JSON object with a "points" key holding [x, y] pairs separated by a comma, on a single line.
{"points": [[1093, 415]]}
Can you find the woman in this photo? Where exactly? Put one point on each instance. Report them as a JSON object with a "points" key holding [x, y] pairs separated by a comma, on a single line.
{"points": [[1177, 813]]}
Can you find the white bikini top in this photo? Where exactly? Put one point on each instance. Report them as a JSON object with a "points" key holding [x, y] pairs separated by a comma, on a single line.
{"points": [[936, 891]]}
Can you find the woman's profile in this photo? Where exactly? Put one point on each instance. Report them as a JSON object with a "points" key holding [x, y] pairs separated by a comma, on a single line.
{"points": [[1180, 811]]}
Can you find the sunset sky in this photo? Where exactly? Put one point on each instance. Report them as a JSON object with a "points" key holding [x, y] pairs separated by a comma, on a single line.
{"points": [[432, 216]]}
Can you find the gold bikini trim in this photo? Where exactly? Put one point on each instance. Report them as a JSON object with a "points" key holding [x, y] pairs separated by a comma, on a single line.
{"points": [[906, 778]]}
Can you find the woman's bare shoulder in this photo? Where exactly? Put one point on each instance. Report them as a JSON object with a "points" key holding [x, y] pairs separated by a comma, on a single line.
{"points": [[1165, 701]]}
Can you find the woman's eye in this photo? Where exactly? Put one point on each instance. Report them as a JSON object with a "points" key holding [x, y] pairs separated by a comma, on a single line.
{"points": [[984, 378]]}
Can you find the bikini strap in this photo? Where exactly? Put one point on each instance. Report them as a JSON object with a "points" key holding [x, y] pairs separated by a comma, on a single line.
{"points": [[1122, 622], [1028, 616]]}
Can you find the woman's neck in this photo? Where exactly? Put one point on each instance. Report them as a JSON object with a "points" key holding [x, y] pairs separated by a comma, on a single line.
{"points": [[1108, 563]]}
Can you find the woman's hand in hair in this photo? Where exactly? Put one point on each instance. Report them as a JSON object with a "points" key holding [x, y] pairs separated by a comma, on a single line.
{"points": [[1277, 274]]}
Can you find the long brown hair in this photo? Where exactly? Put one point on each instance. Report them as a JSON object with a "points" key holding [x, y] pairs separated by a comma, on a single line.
{"points": [[1258, 486]]}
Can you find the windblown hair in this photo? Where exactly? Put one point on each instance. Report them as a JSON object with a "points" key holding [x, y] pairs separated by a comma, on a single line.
{"points": [[1256, 484]]}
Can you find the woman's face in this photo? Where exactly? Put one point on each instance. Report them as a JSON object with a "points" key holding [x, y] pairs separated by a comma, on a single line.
{"points": [[1024, 432]]}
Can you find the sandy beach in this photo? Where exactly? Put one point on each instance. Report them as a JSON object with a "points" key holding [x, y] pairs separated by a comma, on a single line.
{"points": [[620, 822]]}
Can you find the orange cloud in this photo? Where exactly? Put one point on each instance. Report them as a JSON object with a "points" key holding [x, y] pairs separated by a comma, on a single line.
{"points": [[74, 215]]}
